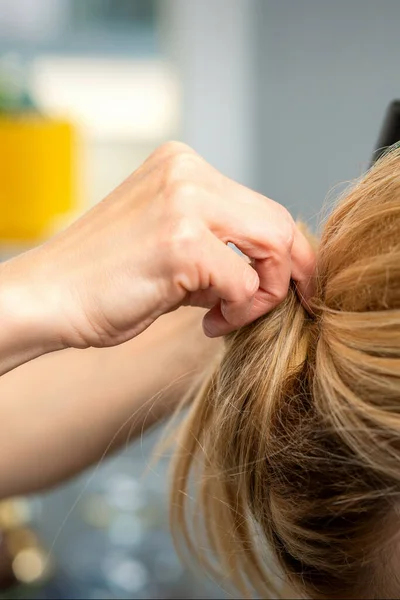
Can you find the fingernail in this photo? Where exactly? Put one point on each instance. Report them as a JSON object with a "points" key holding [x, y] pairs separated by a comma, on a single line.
{"points": [[208, 328], [252, 281]]}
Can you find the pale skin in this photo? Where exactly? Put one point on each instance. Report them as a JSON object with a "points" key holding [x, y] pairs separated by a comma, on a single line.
{"points": [[96, 293], [66, 410]]}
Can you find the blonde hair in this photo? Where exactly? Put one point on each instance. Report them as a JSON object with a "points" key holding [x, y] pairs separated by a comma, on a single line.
{"points": [[294, 441]]}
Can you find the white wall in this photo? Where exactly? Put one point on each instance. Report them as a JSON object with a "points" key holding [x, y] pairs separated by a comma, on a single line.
{"points": [[31, 20], [327, 71], [211, 42]]}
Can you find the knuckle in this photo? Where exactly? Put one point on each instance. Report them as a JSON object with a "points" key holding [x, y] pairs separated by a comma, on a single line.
{"points": [[285, 230], [177, 167], [288, 226], [184, 240], [251, 282], [177, 162], [177, 175], [172, 148], [179, 196]]}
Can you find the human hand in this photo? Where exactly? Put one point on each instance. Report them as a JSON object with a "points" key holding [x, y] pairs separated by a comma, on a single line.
{"points": [[155, 243]]}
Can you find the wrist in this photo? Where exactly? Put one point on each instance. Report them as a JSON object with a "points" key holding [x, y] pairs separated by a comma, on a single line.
{"points": [[24, 329]]}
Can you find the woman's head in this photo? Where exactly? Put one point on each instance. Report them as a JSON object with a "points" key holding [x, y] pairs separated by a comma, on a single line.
{"points": [[295, 439]]}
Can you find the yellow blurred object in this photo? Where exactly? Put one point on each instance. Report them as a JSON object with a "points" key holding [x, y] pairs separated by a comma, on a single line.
{"points": [[23, 558], [14, 513], [29, 565], [37, 175]]}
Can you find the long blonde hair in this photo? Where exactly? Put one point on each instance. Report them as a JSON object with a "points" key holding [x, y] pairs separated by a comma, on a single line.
{"points": [[294, 440]]}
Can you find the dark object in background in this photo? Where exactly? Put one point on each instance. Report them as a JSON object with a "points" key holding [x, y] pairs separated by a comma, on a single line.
{"points": [[390, 131], [7, 576]]}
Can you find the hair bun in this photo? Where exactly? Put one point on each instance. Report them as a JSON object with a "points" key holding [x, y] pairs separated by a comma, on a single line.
{"points": [[295, 438]]}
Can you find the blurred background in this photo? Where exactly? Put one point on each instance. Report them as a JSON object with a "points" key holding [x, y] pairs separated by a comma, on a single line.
{"points": [[285, 96]]}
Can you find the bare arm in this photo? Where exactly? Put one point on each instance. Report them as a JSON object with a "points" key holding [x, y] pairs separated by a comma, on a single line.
{"points": [[63, 411], [157, 242]]}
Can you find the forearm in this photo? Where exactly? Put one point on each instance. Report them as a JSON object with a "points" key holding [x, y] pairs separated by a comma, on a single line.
{"points": [[64, 411], [25, 327]]}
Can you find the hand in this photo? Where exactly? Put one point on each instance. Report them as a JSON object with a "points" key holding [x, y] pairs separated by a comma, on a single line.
{"points": [[157, 242]]}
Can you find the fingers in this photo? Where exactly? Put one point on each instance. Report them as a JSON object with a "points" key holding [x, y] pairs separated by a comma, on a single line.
{"points": [[274, 274], [261, 228], [265, 232], [232, 280], [303, 266], [226, 317]]}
